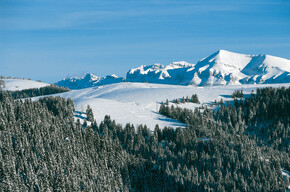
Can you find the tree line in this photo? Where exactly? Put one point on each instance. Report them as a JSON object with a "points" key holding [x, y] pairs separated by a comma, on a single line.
{"points": [[34, 92], [192, 99]]}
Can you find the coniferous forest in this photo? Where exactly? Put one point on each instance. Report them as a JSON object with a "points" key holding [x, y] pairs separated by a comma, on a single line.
{"points": [[34, 92], [239, 146]]}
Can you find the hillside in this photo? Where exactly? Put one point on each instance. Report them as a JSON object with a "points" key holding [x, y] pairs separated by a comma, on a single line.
{"points": [[138, 103], [21, 84]]}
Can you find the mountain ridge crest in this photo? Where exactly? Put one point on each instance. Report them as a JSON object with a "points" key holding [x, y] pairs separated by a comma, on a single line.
{"points": [[220, 68]]}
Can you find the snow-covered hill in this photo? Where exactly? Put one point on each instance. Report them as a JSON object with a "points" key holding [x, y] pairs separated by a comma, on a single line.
{"points": [[20, 84], [138, 103], [220, 68], [89, 80]]}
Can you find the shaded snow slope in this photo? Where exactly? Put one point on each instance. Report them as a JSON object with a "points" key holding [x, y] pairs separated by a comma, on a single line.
{"points": [[138, 103], [20, 84]]}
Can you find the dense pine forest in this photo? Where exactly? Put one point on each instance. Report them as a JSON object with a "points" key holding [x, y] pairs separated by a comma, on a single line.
{"points": [[263, 116], [240, 146], [47, 90]]}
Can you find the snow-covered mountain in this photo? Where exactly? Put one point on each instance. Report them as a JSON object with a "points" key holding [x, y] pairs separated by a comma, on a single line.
{"points": [[171, 74], [224, 67], [221, 68], [89, 80]]}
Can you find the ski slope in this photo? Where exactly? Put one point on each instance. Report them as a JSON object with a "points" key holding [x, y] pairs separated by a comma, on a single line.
{"points": [[20, 84], [138, 103]]}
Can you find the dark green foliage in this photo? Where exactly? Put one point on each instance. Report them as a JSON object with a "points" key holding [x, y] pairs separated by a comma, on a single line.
{"points": [[264, 115], [263, 118], [175, 101], [193, 99], [47, 90], [238, 94], [90, 114], [2, 84], [165, 109], [42, 148]]}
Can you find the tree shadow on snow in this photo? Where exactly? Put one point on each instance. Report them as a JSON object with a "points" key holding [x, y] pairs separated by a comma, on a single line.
{"points": [[78, 114], [173, 122]]}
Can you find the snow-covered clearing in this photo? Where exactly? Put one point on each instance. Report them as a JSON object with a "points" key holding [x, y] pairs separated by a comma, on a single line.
{"points": [[138, 103]]}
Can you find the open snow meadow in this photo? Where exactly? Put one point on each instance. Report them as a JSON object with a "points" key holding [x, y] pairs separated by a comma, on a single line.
{"points": [[138, 103], [21, 84]]}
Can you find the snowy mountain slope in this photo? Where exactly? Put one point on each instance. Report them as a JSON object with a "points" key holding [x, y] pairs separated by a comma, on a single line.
{"points": [[89, 80], [157, 73], [138, 103], [268, 69], [20, 84], [221, 68], [262, 64]]}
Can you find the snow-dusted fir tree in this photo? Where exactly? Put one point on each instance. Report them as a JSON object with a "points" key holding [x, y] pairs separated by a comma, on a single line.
{"points": [[90, 114]]}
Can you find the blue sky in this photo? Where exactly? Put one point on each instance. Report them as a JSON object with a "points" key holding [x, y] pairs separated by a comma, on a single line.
{"points": [[48, 40]]}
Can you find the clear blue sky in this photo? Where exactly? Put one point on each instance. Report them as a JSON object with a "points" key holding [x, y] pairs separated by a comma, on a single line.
{"points": [[52, 39]]}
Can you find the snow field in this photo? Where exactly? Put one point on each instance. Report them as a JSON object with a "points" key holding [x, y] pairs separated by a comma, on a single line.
{"points": [[20, 84], [138, 103]]}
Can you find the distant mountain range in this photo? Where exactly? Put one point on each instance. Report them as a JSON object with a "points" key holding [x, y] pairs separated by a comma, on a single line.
{"points": [[221, 68], [89, 80]]}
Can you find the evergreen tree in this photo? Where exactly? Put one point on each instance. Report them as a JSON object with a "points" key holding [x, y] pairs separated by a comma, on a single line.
{"points": [[194, 98], [90, 115], [42, 148]]}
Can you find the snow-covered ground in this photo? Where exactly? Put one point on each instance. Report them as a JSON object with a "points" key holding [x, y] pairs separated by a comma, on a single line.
{"points": [[138, 103], [20, 84], [286, 175]]}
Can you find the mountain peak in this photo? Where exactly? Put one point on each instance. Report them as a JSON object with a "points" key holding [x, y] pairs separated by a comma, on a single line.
{"points": [[91, 77], [223, 51], [114, 76], [220, 68]]}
